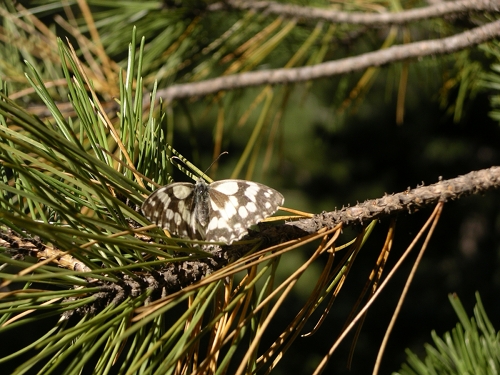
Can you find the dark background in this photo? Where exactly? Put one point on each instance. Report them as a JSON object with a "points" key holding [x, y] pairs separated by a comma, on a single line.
{"points": [[463, 255]]}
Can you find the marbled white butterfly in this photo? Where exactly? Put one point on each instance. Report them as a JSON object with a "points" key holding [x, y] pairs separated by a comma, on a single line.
{"points": [[218, 212]]}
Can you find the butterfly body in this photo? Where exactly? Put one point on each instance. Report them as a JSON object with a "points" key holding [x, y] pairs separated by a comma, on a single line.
{"points": [[219, 212]]}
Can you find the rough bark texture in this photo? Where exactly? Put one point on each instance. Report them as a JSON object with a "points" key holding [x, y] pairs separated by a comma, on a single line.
{"points": [[411, 200], [326, 69], [177, 275]]}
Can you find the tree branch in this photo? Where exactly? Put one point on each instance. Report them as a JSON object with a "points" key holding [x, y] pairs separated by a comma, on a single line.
{"points": [[370, 19], [177, 275], [174, 276], [331, 68], [411, 200]]}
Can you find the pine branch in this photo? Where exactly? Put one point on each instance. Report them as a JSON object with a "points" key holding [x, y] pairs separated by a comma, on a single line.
{"points": [[411, 200], [414, 50], [177, 275], [358, 18]]}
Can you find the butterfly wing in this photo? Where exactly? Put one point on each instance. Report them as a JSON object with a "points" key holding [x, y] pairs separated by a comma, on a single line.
{"points": [[235, 205], [172, 208]]}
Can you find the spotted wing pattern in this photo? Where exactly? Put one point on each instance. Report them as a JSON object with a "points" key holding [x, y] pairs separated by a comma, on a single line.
{"points": [[218, 212]]}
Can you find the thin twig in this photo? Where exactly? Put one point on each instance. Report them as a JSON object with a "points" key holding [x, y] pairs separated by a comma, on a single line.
{"points": [[447, 45], [360, 18]]}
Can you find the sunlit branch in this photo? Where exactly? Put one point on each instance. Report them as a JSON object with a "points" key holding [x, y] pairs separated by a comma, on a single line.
{"points": [[411, 200], [414, 50], [360, 18]]}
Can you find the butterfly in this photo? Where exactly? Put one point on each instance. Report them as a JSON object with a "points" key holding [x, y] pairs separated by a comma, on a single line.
{"points": [[218, 212]]}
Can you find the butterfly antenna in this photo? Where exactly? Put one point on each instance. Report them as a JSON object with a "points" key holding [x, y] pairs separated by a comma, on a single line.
{"points": [[217, 158], [178, 157], [186, 162], [181, 168]]}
